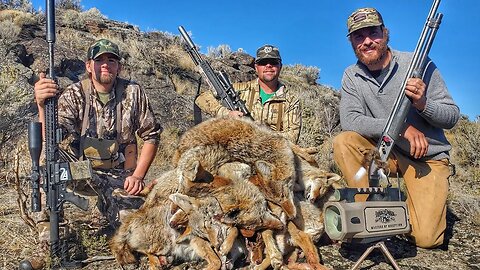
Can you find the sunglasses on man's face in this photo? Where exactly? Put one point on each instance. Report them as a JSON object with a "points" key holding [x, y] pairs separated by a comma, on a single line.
{"points": [[264, 62]]}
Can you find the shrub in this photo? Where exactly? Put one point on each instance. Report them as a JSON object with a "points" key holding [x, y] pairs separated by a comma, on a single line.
{"points": [[309, 74], [19, 18], [15, 101], [69, 5], [467, 143], [22, 5], [78, 20], [8, 33], [220, 52]]}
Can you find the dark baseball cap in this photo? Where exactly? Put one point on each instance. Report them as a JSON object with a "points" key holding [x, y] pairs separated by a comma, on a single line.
{"points": [[102, 46], [362, 18], [268, 52]]}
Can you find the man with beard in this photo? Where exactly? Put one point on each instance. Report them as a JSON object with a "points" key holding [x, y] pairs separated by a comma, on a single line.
{"points": [[421, 155], [101, 117], [267, 99]]}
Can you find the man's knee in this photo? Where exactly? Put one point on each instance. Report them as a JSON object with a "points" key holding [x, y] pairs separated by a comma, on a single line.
{"points": [[428, 240], [427, 236], [344, 142], [346, 138]]}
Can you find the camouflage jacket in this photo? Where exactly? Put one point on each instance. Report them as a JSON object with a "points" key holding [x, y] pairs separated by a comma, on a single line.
{"points": [[281, 112], [137, 117]]}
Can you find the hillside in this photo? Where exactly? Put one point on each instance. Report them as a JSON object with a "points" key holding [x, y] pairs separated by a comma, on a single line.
{"points": [[159, 63]]}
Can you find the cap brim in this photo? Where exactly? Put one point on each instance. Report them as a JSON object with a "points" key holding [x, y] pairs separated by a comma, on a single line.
{"points": [[260, 59], [102, 53], [364, 26]]}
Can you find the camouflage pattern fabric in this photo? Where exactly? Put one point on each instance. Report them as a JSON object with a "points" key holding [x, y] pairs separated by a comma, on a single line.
{"points": [[363, 17], [111, 206], [266, 114], [268, 52], [102, 184], [102, 46], [137, 116]]}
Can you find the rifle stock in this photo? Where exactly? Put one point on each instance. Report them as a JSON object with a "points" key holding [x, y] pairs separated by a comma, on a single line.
{"points": [[217, 81], [391, 131]]}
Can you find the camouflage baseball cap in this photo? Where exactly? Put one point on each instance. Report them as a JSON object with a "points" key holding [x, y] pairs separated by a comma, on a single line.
{"points": [[363, 17], [268, 52], [102, 46]]}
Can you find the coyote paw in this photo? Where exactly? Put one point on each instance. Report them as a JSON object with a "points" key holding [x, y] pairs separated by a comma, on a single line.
{"points": [[276, 260]]}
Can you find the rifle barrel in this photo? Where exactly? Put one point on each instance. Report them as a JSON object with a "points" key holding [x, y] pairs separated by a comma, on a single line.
{"points": [[401, 107]]}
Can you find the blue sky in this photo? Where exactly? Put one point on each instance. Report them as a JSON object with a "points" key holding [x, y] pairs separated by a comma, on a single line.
{"points": [[313, 32]]}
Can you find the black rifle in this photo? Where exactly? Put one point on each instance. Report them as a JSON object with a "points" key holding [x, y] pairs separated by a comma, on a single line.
{"points": [[217, 80], [391, 131], [56, 174]]}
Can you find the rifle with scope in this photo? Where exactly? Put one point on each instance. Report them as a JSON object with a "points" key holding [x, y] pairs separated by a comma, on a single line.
{"points": [[218, 81], [55, 174], [385, 213]]}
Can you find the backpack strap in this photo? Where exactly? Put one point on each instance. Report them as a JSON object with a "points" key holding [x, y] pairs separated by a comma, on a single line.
{"points": [[119, 89], [86, 91], [85, 84]]}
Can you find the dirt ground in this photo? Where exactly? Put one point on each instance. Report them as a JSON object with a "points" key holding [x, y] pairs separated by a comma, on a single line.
{"points": [[17, 241]]}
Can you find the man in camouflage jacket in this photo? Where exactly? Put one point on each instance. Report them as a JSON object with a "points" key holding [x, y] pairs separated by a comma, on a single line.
{"points": [[105, 108], [267, 99]]}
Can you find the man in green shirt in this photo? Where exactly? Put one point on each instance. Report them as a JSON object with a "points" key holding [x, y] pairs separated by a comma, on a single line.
{"points": [[267, 99]]}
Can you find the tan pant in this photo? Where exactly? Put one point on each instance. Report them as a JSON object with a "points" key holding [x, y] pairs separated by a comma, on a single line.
{"points": [[426, 182]]}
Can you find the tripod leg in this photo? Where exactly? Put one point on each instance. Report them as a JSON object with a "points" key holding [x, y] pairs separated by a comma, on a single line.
{"points": [[364, 255], [386, 253]]}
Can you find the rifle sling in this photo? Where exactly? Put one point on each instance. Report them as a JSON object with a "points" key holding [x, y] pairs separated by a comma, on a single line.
{"points": [[251, 98], [197, 112], [279, 116]]}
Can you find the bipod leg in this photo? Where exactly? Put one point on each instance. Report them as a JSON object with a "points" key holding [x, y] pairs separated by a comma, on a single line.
{"points": [[381, 245]]}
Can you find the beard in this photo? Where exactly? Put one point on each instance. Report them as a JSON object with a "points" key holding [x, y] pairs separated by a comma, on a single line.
{"points": [[105, 78], [267, 79], [380, 52]]}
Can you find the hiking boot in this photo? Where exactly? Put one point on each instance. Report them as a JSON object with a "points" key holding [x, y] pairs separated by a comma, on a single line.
{"points": [[37, 260]]}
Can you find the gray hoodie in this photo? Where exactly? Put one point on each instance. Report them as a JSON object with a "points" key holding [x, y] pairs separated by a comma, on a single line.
{"points": [[365, 104]]}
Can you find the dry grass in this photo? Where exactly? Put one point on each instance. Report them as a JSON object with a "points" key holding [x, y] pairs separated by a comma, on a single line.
{"points": [[19, 18], [181, 85], [17, 240], [8, 33], [182, 59], [76, 19], [74, 40], [301, 73]]}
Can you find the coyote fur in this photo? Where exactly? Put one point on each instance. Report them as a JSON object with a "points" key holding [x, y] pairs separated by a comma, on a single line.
{"points": [[306, 228], [165, 236], [244, 141]]}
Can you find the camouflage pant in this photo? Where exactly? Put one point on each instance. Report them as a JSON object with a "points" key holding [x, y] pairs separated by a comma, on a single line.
{"points": [[111, 205]]}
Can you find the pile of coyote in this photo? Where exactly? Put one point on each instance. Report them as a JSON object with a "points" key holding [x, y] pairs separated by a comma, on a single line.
{"points": [[240, 195]]}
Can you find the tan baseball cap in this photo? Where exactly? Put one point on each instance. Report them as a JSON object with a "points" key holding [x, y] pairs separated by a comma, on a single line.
{"points": [[363, 17]]}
